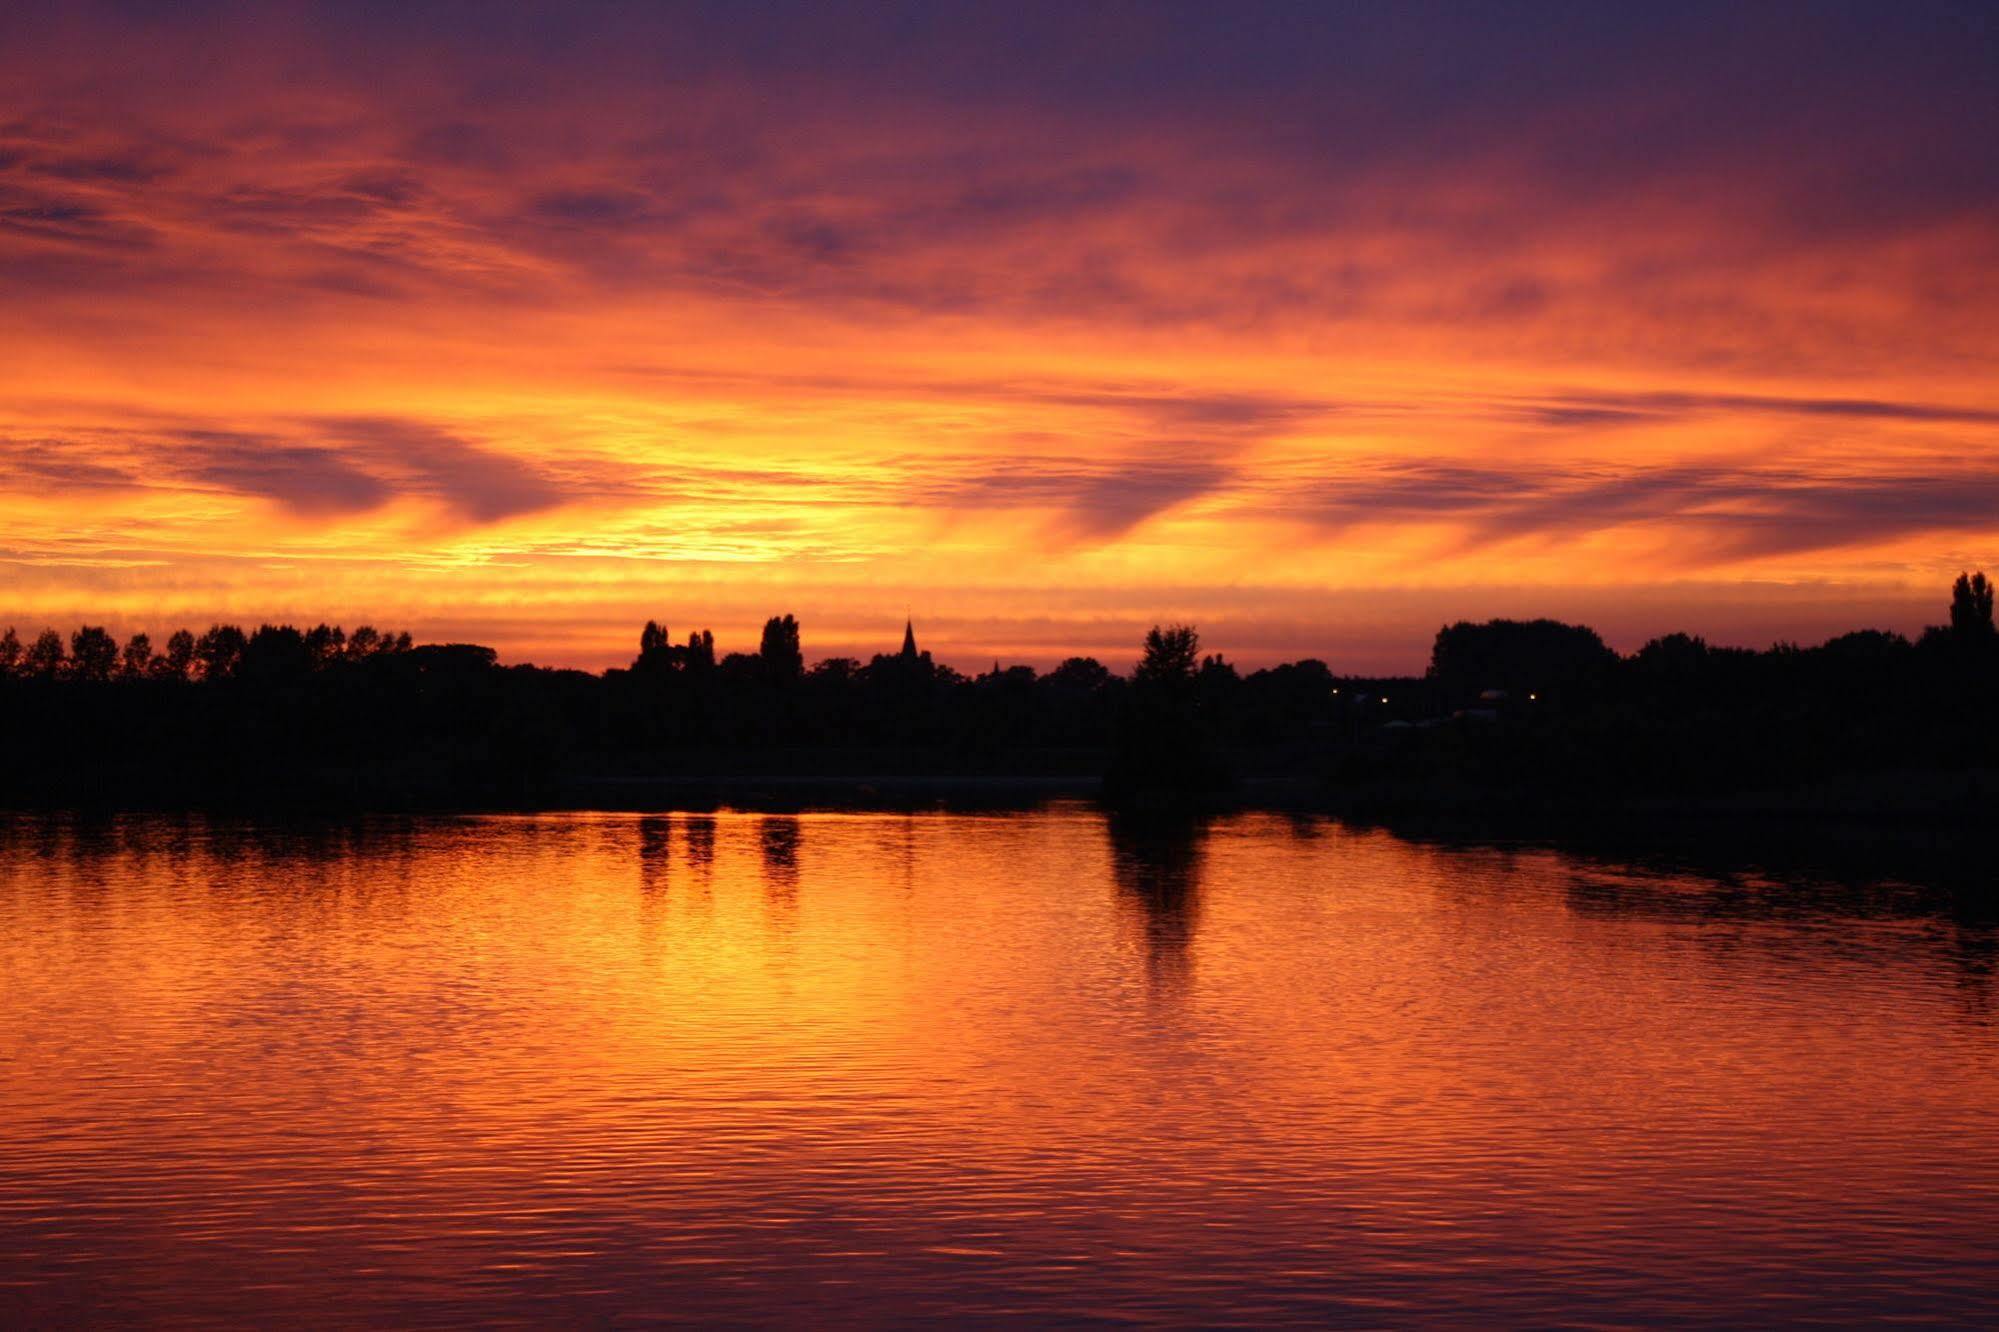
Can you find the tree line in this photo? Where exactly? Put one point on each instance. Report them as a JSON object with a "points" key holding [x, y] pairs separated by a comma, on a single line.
{"points": [[1544, 714], [221, 653], [369, 717]]}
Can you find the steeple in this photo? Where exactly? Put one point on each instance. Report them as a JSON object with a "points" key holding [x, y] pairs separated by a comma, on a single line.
{"points": [[909, 640]]}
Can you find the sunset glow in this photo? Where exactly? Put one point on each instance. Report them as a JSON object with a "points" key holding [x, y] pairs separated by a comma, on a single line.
{"points": [[524, 328]]}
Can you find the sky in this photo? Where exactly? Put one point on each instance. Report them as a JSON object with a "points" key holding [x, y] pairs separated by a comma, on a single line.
{"points": [[1316, 325]]}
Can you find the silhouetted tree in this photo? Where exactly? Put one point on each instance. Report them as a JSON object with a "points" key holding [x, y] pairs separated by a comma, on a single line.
{"points": [[177, 662], [1865, 645], [656, 653], [275, 653], [1672, 655], [363, 642], [44, 657], [1171, 656], [136, 662], [835, 670], [325, 644], [1519, 655], [1283, 703], [1079, 673], [1163, 751], [219, 652], [660, 657], [10, 652], [1971, 607], [782, 656], [93, 654]]}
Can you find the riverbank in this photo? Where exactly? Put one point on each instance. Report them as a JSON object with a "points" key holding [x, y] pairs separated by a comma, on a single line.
{"points": [[1948, 799]]}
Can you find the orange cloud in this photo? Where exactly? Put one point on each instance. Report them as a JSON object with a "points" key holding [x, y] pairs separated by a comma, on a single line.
{"points": [[522, 338]]}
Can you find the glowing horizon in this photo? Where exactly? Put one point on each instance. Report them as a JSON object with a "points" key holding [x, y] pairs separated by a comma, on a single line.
{"points": [[525, 325]]}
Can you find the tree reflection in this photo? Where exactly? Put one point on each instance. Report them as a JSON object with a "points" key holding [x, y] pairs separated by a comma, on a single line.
{"points": [[779, 835], [1974, 948], [1158, 863], [699, 830], [655, 853]]}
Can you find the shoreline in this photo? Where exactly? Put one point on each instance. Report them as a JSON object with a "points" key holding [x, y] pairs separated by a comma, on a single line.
{"points": [[1926, 799], [1905, 797], [1945, 854]]}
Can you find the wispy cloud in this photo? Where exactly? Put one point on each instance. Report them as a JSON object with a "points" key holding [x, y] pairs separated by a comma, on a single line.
{"points": [[1716, 514], [1140, 302]]}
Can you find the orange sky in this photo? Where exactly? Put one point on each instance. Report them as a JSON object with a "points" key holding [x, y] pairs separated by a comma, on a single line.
{"points": [[524, 325]]}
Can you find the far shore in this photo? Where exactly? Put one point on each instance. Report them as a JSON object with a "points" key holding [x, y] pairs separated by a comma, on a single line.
{"points": [[1908, 797], [1913, 798], [1927, 830]]}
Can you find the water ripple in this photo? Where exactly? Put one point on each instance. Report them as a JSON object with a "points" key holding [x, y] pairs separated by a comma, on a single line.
{"points": [[880, 1069]]}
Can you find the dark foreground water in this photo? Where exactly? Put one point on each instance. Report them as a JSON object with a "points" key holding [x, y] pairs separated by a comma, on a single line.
{"points": [[884, 1068]]}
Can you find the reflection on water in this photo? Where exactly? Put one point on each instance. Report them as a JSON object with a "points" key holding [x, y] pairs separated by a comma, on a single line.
{"points": [[868, 1068], [656, 852], [1157, 864], [779, 836]]}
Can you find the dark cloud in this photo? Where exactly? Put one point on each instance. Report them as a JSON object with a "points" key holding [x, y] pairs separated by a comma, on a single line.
{"points": [[321, 467], [1097, 500], [283, 212], [1181, 446], [1583, 409], [1826, 95], [476, 482], [312, 480], [385, 186], [1717, 512], [43, 216], [1565, 417], [1220, 414], [37, 465], [460, 144], [1082, 163], [126, 168], [591, 208], [818, 240]]}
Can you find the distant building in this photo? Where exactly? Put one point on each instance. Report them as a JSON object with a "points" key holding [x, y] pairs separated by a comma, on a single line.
{"points": [[911, 665]]}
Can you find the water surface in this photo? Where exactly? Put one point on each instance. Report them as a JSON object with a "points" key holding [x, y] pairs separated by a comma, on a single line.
{"points": [[883, 1068]]}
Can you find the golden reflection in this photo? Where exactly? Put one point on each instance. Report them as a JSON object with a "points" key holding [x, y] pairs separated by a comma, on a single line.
{"points": [[524, 1053]]}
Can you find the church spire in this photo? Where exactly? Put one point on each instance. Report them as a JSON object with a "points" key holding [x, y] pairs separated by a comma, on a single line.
{"points": [[909, 640]]}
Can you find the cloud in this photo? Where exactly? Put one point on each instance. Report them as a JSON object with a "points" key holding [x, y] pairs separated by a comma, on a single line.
{"points": [[34, 465], [40, 215], [1597, 408], [461, 144], [318, 467], [311, 480], [129, 167], [1098, 500], [590, 208], [792, 283], [1716, 514], [474, 481]]}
